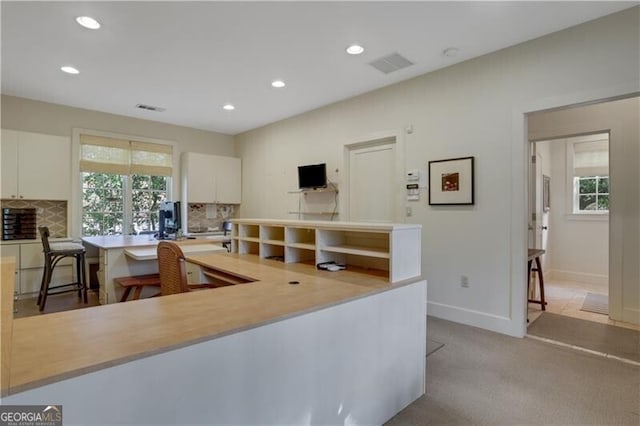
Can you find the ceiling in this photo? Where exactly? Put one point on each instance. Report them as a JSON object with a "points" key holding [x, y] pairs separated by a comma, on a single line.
{"points": [[192, 58]]}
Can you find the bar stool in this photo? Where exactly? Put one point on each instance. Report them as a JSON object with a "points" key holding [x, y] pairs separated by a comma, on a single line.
{"points": [[534, 254], [53, 253]]}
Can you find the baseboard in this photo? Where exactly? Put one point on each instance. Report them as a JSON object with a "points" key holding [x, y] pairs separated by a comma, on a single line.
{"points": [[582, 277], [631, 315], [497, 323]]}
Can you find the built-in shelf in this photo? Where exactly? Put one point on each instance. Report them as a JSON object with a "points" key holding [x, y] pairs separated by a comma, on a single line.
{"points": [[302, 246], [357, 245], [360, 251], [314, 213]]}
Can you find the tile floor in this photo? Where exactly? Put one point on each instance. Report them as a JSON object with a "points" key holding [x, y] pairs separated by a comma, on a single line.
{"points": [[566, 298]]}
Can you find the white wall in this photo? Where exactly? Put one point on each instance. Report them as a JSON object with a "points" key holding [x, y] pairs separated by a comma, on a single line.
{"points": [[52, 119], [622, 119], [473, 108], [579, 245]]}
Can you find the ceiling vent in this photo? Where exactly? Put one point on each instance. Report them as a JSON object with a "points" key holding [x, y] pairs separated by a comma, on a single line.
{"points": [[391, 63], [150, 107]]}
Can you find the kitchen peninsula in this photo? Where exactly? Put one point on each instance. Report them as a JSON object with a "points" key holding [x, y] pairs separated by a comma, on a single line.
{"points": [[294, 345]]}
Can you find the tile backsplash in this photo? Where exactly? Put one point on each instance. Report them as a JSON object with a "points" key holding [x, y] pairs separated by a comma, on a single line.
{"points": [[199, 221], [52, 214]]}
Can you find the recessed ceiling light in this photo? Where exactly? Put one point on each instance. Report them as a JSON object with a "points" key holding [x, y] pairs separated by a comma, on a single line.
{"points": [[278, 83], [229, 107], [355, 49], [451, 52], [69, 70], [88, 22]]}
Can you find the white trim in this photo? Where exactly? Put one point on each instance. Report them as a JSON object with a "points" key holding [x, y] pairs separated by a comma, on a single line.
{"points": [[520, 191], [588, 217], [582, 277], [75, 203], [497, 323], [631, 315]]}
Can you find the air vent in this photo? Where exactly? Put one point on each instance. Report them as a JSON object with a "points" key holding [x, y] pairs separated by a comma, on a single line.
{"points": [[150, 107], [391, 63]]}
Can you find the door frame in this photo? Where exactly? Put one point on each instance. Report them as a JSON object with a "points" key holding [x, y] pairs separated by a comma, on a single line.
{"points": [[378, 138], [518, 240]]}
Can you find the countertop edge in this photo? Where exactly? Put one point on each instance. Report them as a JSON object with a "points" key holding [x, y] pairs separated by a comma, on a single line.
{"points": [[12, 390]]}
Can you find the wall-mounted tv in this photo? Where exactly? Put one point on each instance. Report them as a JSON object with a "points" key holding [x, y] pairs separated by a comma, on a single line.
{"points": [[312, 176]]}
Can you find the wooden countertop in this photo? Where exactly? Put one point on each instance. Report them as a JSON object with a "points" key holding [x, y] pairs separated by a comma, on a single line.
{"points": [[327, 224], [49, 348], [126, 241]]}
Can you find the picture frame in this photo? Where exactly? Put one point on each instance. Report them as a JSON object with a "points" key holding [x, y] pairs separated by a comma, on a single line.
{"points": [[451, 182], [546, 193]]}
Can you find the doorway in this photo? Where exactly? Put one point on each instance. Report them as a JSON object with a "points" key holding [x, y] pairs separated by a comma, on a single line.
{"points": [[569, 219]]}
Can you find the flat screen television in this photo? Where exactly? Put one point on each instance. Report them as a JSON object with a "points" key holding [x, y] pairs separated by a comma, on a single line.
{"points": [[312, 176]]}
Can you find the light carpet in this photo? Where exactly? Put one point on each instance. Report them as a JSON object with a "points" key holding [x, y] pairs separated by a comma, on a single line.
{"points": [[483, 378]]}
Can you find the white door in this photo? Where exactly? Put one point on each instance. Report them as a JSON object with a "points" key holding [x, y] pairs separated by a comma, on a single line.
{"points": [[371, 182]]}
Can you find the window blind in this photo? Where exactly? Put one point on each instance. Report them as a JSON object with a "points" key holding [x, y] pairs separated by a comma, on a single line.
{"points": [[591, 158], [151, 159], [100, 154]]}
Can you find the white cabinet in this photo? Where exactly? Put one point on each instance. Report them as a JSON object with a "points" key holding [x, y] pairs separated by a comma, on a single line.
{"points": [[35, 166], [391, 250], [229, 180], [211, 179], [9, 156], [13, 250], [30, 266]]}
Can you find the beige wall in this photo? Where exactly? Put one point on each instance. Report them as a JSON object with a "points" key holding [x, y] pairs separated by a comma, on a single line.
{"points": [[473, 108], [622, 119], [52, 119]]}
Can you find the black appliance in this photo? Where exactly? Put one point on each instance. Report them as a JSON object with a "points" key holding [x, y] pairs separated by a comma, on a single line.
{"points": [[19, 224], [170, 221]]}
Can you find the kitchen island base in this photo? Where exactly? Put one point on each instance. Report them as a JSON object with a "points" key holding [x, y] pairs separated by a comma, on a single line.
{"points": [[358, 362]]}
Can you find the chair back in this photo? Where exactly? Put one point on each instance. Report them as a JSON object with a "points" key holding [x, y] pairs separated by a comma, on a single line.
{"points": [[44, 236], [173, 272]]}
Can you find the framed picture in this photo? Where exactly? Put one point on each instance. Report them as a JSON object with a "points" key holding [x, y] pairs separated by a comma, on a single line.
{"points": [[451, 182], [546, 193]]}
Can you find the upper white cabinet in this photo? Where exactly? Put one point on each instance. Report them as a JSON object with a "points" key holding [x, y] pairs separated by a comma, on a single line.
{"points": [[211, 179], [35, 166]]}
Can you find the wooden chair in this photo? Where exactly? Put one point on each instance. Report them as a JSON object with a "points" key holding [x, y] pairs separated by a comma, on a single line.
{"points": [[137, 283], [173, 272], [54, 253]]}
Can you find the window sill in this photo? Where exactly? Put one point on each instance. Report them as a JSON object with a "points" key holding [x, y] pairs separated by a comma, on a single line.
{"points": [[588, 217]]}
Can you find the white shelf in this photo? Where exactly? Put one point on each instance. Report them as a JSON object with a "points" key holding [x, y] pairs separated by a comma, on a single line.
{"points": [[251, 239], [273, 242], [359, 251], [365, 245], [304, 246], [318, 213]]}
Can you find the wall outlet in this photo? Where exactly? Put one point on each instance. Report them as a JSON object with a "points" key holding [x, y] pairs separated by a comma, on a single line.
{"points": [[464, 281]]}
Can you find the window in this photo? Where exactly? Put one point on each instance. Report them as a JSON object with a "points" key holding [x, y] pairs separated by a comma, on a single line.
{"points": [[123, 184], [589, 167], [105, 195]]}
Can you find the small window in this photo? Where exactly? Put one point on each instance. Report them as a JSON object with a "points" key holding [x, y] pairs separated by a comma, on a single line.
{"points": [[588, 168], [592, 194]]}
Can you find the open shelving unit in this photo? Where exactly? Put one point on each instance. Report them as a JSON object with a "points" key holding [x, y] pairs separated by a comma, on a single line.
{"points": [[391, 249]]}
